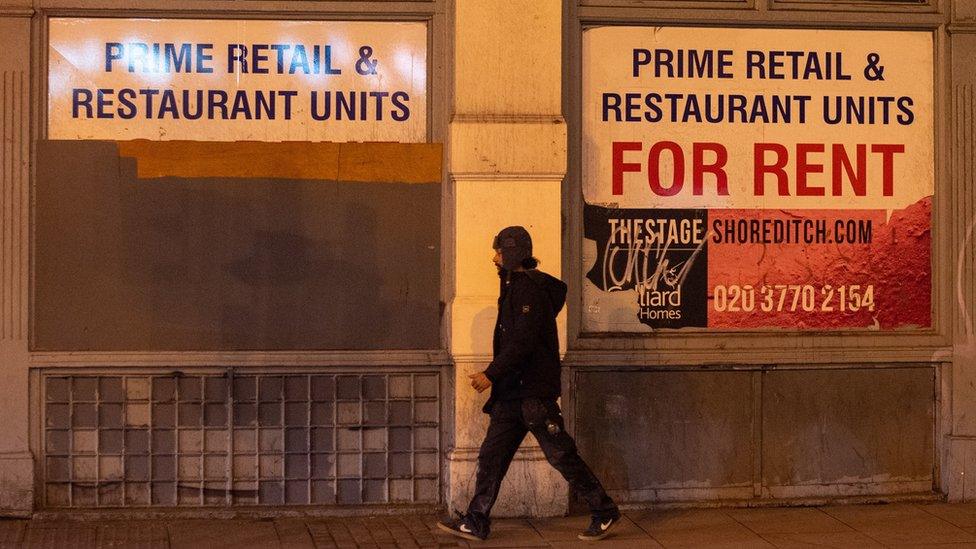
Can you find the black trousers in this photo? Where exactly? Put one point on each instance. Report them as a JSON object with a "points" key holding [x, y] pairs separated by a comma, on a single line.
{"points": [[510, 421]]}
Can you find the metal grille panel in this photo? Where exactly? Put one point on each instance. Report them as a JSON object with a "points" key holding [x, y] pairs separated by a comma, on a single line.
{"points": [[211, 440]]}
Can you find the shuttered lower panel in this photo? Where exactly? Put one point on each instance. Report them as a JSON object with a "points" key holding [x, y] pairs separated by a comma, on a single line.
{"points": [[232, 440]]}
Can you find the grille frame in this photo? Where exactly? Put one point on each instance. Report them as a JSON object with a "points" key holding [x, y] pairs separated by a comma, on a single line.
{"points": [[102, 463]]}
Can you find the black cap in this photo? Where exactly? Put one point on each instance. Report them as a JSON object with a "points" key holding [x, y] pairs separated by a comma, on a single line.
{"points": [[515, 245]]}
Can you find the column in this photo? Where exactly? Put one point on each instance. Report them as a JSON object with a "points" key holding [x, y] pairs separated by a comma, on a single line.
{"points": [[959, 469], [507, 160], [16, 464]]}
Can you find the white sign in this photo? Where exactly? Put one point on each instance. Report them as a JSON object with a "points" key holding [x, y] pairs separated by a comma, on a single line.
{"points": [[746, 179], [235, 80], [757, 118]]}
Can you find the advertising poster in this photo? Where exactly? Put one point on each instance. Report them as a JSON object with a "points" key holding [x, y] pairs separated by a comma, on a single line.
{"points": [[226, 80], [743, 179]]}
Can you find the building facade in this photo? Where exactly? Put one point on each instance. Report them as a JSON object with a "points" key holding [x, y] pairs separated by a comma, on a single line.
{"points": [[246, 248]]}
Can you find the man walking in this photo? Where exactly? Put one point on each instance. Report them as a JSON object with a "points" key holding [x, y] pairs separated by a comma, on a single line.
{"points": [[525, 382]]}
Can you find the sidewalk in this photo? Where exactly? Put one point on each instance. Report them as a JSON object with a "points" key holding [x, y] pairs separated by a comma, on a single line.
{"points": [[860, 526]]}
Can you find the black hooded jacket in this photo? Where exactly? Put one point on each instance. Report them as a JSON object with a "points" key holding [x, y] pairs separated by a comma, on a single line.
{"points": [[526, 342]]}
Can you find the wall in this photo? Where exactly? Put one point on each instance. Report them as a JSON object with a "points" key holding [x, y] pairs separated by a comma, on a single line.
{"points": [[739, 417]]}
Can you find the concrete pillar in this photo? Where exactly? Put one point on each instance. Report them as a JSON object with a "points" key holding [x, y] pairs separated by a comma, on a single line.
{"points": [[16, 463], [507, 158], [959, 473]]}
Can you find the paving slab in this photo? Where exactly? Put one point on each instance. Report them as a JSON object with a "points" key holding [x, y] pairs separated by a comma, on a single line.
{"points": [[330, 534], [935, 546], [379, 530], [359, 531], [790, 520], [132, 535], [293, 534], [394, 531], [74, 536], [840, 540], [608, 542], [321, 536], [854, 515], [220, 534], [425, 532], [861, 527], [959, 514], [402, 535], [681, 519], [917, 532], [726, 537], [923, 545], [711, 528], [504, 533], [900, 525], [512, 533], [563, 530]]}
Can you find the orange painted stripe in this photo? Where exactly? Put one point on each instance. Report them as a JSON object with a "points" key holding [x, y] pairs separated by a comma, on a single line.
{"points": [[402, 162], [356, 162]]}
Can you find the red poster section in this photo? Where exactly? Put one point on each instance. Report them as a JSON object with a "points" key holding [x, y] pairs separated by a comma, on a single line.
{"points": [[820, 269]]}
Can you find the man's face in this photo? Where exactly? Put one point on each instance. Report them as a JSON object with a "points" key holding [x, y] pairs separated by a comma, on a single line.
{"points": [[497, 259]]}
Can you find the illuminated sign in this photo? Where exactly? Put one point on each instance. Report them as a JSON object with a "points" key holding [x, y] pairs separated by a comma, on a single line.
{"points": [[756, 178], [235, 80]]}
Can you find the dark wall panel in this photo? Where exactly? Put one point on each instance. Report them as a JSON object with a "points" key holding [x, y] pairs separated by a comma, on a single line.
{"points": [[652, 430], [226, 264], [664, 435], [847, 426]]}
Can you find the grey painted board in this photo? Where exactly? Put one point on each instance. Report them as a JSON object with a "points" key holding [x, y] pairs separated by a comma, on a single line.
{"points": [[848, 426], [228, 264], [655, 430]]}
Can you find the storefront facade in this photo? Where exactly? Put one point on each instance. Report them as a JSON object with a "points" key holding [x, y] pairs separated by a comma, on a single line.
{"points": [[757, 394], [243, 214], [246, 249]]}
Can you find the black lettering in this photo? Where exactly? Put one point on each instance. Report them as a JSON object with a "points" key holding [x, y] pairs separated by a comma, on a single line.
{"points": [[81, 97], [399, 100]]}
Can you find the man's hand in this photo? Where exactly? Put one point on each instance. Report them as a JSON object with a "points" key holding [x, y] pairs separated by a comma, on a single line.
{"points": [[480, 381]]}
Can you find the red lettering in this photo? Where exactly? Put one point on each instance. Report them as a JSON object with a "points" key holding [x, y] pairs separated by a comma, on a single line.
{"points": [[887, 165], [619, 166], [760, 168], [858, 178], [840, 164], [654, 172], [698, 168], [803, 167]]}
